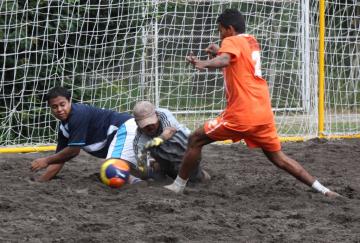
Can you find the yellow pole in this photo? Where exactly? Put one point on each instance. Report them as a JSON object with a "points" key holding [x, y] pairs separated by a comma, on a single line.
{"points": [[28, 149], [321, 103]]}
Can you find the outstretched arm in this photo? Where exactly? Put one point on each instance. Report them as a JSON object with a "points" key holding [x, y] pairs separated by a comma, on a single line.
{"points": [[220, 61], [58, 158], [51, 171], [212, 50]]}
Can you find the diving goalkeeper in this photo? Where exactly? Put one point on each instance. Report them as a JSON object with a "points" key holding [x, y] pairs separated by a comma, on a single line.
{"points": [[166, 139]]}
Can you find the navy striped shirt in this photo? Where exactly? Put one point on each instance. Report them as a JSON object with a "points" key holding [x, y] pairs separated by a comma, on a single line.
{"points": [[90, 128]]}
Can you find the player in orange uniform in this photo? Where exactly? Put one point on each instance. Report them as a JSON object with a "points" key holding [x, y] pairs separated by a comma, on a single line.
{"points": [[248, 114]]}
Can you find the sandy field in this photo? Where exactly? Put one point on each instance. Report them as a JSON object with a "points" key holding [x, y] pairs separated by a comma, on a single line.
{"points": [[247, 200]]}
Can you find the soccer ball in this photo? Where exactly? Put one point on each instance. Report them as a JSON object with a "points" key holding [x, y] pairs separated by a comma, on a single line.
{"points": [[114, 172]]}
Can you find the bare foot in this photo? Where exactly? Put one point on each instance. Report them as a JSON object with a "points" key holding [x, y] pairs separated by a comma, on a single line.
{"points": [[332, 194]]}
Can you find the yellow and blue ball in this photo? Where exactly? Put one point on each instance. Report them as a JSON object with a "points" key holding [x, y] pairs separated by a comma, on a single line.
{"points": [[114, 172]]}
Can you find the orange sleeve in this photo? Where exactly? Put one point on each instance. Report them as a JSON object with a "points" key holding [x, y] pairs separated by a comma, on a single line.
{"points": [[228, 46]]}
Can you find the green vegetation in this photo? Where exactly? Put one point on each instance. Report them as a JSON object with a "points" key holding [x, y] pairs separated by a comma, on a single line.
{"points": [[106, 51]]}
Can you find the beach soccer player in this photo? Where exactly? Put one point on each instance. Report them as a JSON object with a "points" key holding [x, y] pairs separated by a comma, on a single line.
{"points": [[165, 138], [248, 114], [100, 132]]}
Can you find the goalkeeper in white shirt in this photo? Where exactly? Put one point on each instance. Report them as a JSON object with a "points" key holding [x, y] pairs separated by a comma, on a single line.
{"points": [[160, 143]]}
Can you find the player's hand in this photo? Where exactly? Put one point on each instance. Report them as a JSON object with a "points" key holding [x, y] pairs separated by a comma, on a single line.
{"points": [[198, 64], [191, 58], [39, 164], [212, 50], [155, 142]]}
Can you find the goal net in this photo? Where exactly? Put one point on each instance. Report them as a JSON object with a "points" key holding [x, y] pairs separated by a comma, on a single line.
{"points": [[114, 53]]}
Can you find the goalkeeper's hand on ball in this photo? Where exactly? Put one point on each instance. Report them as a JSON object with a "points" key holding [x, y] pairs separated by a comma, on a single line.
{"points": [[155, 142]]}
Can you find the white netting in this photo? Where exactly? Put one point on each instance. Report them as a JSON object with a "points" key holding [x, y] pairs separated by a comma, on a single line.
{"points": [[114, 53], [342, 62]]}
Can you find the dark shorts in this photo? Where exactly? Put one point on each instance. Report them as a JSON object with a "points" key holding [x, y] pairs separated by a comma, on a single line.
{"points": [[170, 154]]}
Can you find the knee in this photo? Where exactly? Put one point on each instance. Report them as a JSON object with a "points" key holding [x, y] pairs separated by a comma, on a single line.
{"points": [[194, 140]]}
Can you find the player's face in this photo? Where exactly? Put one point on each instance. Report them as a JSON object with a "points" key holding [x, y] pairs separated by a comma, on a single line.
{"points": [[224, 32], [151, 130], [60, 107]]}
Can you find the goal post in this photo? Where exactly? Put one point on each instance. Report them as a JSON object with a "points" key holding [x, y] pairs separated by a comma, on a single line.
{"points": [[114, 53]]}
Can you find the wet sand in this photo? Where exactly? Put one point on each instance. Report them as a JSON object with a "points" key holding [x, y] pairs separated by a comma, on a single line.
{"points": [[247, 200]]}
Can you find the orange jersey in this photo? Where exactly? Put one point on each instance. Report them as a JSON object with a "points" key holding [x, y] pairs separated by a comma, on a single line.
{"points": [[247, 93]]}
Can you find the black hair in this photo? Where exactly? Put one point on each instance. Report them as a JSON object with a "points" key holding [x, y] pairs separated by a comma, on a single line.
{"points": [[56, 92], [234, 18]]}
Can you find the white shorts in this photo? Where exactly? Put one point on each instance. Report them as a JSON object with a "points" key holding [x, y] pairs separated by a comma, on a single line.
{"points": [[121, 146]]}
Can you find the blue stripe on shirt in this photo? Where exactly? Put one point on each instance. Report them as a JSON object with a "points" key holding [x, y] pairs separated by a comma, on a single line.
{"points": [[79, 143], [120, 140]]}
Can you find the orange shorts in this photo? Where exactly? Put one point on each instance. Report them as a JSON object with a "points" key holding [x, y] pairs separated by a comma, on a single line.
{"points": [[260, 136]]}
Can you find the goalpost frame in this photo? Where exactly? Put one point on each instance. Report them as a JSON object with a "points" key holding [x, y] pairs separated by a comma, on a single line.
{"points": [[321, 104]]}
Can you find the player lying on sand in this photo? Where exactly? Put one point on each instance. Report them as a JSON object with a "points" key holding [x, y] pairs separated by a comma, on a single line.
{"points": [[165, 138], [248, 114], [101, 133]]}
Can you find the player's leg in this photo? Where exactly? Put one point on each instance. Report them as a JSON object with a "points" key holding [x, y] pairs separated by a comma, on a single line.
{"points": [[170, 154], [171, 168], [294, 168], [191, 159], [265, 137], [284, 162], [213, 130], [192, 156]]}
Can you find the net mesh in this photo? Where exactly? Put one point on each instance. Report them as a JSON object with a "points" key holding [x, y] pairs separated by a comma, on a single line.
{"points": [[114, 53]]}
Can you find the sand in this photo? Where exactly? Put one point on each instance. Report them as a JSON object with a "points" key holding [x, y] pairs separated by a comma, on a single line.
{"points": [[247, 200]]}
